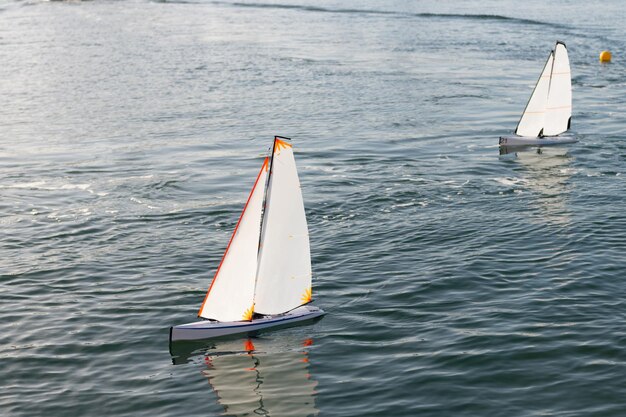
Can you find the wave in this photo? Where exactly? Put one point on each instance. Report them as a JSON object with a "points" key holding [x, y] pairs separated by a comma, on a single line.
{"points": [[481, 17]]}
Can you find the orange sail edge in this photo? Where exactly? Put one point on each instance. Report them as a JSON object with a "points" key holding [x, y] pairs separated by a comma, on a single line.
{"points": [[265, 167]]}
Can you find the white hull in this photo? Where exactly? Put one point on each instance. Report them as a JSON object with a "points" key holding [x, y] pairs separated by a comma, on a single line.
{"points": [[210, 329], [536, 141]]}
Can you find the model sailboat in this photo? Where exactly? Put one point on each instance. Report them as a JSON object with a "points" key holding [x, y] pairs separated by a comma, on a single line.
{"points": [[548, 113], [264, 279]]}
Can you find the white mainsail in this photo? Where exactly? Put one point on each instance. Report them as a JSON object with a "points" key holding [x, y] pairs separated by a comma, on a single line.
{"points": [[559, 104], [284, 270], [549, 109], [231, 294]]}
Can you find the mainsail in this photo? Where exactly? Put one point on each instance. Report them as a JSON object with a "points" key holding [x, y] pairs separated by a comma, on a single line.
{"points": [[266, 268], [231, 294], [284, 272], [559, 105], [550, 106]]}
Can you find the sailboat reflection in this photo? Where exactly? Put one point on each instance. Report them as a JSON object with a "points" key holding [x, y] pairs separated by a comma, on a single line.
{"points": [[545, 172], [260, 377]]}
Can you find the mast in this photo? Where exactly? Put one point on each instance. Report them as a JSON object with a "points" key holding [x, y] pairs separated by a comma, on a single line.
{"points": [[267, 186]]}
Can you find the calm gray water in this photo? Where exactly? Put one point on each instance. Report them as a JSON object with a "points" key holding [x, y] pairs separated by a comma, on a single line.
{"points": [[457, 281]]}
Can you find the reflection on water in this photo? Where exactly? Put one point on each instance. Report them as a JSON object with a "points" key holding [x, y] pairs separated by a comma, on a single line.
{"points": [[545, 171], [258, 377]]}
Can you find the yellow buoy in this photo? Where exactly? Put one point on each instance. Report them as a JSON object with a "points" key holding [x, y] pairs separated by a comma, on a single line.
{"points": [[605, 56]]}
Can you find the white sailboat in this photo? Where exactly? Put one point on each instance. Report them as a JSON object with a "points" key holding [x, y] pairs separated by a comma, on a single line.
{"points": [[548, 113], [264, 278]]}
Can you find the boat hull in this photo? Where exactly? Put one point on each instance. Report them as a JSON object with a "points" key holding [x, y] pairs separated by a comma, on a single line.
{"points": [[211, 329], [536, 141]]}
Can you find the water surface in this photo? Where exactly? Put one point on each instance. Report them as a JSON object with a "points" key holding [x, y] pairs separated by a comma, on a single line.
{"points": [[457, 281]]}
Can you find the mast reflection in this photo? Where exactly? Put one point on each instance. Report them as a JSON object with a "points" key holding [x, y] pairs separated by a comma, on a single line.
{"points": [[260, 377]]}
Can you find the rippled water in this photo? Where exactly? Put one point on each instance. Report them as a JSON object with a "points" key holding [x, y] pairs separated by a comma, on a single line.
{"points": [[457, 281]]}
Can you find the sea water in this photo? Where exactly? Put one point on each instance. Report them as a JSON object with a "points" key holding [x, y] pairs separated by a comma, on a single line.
{"points": [[457, 281]]}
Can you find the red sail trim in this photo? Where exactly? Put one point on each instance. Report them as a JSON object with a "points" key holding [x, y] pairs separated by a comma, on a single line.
{"points": [[264, 167]]}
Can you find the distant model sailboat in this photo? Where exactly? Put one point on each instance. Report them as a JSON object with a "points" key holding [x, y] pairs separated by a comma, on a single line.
{"points": [[548, 113], [264, 279]]}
